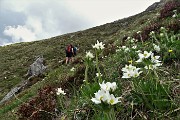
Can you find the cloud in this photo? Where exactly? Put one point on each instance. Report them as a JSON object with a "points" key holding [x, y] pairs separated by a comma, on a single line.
{"points": [[29, 20], [20, 33], [42, 19]]}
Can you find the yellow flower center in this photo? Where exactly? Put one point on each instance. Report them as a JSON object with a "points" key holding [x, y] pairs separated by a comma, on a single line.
{"points": [[170, 51], [129, 75], [111, 101], [130, 61], [135, 75]]}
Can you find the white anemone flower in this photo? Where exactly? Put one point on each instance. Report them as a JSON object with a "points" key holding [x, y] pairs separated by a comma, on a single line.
{"points": [[118, 50], [154, 59], [152, 33], [60, 91], [96, 101], [144, 55], [156, 48], [138, 51], [130, 71], [101, 95], [128, 68], [139, 60], [108, 86], [72, 69], [112, 100], [89, 55], [104, 86], [174, 16], [149, 67], [126, 49], [136, 72], [141, 57], [98, 45], [134, 47], [154, 62], [161, 34], [138, 32], [126, 75], [152, 67], [123, 47], [162, 28], [113, 86], [98, 74], [128, 38]]}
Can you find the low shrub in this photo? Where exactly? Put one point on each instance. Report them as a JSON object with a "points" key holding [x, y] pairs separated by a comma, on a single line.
{"points": [[41, 107]]}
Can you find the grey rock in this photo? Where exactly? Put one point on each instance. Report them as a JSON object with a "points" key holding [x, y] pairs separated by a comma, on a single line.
{"points": [[10, 94], [37, 68]]}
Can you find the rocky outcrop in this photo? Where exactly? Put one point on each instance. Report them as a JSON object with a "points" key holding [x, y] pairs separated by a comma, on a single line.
{"points": [[14, 91], [36, 69], [153, 6]]}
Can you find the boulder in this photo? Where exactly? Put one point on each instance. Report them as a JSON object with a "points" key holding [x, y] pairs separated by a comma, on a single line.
{"points": [[37, 68]]}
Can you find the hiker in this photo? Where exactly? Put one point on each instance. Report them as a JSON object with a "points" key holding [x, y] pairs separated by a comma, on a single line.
{"points": [[69, 53], [74, 52]]}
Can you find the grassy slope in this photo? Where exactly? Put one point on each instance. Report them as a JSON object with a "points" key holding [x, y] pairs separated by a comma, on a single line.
{"points": [[15, 59]]}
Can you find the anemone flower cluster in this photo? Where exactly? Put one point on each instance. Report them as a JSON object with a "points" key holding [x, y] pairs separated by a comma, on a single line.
{"points": [[154, 62], [89, 55], [98, 45], [130, 71], [60, 91], [103, 95], [134, 47], [126, 49]]}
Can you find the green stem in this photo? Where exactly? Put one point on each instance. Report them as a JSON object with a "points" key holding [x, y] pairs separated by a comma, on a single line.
{"points": [[61, 102], [86, 73], [111, 114], [166, 35], [97, 66], [157, 78], [154, 36], [141, 39]]}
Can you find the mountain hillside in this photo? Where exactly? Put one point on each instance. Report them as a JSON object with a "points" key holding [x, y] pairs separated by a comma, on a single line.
{"points": [[151, 92], [16, 58]]}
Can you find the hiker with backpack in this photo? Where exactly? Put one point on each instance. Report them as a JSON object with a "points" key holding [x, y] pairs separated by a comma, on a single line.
{"points": [[69, 53]]}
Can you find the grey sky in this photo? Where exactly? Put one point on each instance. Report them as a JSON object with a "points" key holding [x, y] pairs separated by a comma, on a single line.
{"points": [[29, 20]]}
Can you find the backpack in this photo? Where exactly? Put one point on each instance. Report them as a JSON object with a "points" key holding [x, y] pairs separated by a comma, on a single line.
{"points": [[69, 49], [74, 49]]}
